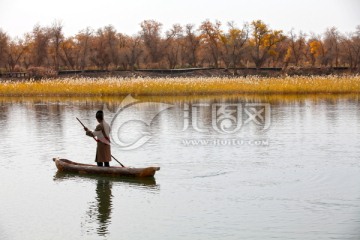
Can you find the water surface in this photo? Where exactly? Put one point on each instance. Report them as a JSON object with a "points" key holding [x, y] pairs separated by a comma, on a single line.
{"points": [[297, 179]]}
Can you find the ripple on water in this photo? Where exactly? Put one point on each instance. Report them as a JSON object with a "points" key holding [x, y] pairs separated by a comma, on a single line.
{"points": [[212, 174], [3, 235]]}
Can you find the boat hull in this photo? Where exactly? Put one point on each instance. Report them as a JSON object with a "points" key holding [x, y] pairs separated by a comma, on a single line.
{"points": [[65, 165]]}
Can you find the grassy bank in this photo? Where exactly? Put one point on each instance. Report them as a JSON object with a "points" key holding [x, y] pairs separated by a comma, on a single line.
{"points": [[182, 86]]}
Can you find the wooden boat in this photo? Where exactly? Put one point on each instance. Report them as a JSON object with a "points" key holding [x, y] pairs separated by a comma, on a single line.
{"points": [[64, 165]]}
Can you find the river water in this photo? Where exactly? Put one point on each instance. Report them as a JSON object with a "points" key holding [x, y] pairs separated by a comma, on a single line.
{"points": [[231, 168]]}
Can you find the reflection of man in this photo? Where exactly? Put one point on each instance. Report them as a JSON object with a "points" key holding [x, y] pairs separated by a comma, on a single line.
{"points": [[103, 197], [101, 132]]}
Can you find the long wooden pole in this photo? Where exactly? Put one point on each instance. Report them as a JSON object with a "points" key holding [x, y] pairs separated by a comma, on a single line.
{"points": [[96, 141]]}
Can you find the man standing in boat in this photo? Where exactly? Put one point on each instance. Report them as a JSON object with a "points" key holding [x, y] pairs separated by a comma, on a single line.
{"points": [[102, 133]]}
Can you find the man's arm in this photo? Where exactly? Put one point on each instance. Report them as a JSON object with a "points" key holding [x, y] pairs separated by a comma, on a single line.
{"points": [[89, 133], [95, 133]]}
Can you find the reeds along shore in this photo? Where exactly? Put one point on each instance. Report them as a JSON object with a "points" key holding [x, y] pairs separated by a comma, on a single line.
{"points": [[112, 86]]}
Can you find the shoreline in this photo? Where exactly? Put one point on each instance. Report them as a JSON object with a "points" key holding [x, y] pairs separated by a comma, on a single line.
{"points": [[184, 72], [265, 94], [112, 101]]}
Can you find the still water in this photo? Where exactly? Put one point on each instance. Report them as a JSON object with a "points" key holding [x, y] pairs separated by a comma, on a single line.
{"points": [[291, 174]]}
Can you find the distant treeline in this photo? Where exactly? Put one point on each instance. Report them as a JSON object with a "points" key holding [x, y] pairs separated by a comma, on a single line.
{"points": [[253, 45]]}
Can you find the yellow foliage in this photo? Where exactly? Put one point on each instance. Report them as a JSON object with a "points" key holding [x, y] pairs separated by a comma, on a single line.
{"points": [[288, 54], [315, 47], [273, 53]]}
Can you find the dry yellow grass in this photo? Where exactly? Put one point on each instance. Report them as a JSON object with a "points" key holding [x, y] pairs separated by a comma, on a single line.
{"points": [[181, 86]]}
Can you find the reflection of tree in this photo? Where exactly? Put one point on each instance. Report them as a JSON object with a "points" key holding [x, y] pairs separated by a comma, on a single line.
{"points": [[104, 204], [4, 112]]}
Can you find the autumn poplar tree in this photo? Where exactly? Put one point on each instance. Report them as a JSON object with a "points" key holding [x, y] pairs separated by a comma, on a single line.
{"points": [[84, 41], [4, 44], [15, 51], [56, 37], [210, 39], [134, 50], [70, 53], [151, 35], [296, 48], [332, 45], [191, 45], [173, 45], [233, 43], [39, 46], [263, 42], [350, 49]]}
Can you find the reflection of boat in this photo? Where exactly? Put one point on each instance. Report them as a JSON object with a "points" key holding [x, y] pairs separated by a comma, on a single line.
{"points": [[62, 176], [65, 165]]}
